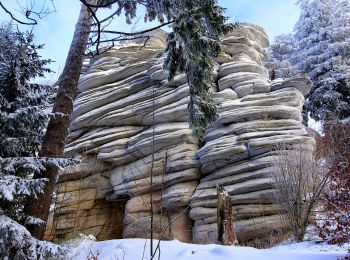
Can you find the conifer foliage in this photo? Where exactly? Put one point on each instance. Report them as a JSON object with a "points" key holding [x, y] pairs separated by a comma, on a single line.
{"points": [[192, 45], [194, 42], [321, 48], [279, 57], [322, 35], [22, 123]]}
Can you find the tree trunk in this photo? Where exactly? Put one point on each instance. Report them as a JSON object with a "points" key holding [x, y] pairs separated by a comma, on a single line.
{"points": [[54, 140], [226, 233]]}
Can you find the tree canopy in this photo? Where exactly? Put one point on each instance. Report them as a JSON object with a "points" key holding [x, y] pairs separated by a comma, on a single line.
{"points": [[320, 47], [22, 123]]}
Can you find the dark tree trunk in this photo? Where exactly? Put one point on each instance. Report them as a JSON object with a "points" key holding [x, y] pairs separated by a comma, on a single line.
{"points": [[54, 140], [226, 232]]}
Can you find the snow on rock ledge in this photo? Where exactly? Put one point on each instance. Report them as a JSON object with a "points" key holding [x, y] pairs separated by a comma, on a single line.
{"points": [[123, 93]]}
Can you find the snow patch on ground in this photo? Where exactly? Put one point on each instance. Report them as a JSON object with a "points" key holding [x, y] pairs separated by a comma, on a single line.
{"points": [[134, 249]]}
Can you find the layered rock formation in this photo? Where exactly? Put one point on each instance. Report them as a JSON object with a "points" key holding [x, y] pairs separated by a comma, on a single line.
{"points": [[130, 121], [255, 115]]}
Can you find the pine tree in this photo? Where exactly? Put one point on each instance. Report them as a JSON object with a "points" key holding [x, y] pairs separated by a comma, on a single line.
{"points": [[322, 36], [279, 56], [54, 139], [192, 45], [22, 124], [319, 47]]}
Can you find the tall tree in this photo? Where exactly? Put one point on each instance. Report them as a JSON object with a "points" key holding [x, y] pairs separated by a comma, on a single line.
{"points": [[22, 124], [54, 140], [322, 36], [194, 42], [320, 48]]}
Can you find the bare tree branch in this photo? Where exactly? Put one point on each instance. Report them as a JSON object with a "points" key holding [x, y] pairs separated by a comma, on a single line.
{"points": [[102, 4], [29, 10], [34, 22], [100, 25], [136, 33], [107, 3], [111, 16], [299, 179]]}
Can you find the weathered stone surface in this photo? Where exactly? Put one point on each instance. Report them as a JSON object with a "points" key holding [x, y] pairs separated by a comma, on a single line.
{"points": [[141, 227], [98, 97], [88, 166], [236, 67], [130, 124], [142, 203], [255, 126], [223, 58], [251, 32], [143, 185], [238, 79], [99, 219], [225, 95], [301, 83], [208, 215], [181, 225], [178, 195], [256, 197], [112, 75], [95, 141], [237, 151], [99, 182], [245, 229], [157, 38]]}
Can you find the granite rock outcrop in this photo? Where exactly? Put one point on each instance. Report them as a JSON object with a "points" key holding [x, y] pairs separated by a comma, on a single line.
{"points": [[129, 121]]}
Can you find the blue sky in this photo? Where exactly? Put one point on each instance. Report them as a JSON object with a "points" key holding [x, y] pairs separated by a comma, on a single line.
{"points": [[56, 30]]}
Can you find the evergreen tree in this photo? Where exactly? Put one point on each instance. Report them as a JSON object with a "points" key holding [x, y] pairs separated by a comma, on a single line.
{"points": [[54, 139], [22, 124], [191, 47], [322, 36], [279, 56], [319, 47]]}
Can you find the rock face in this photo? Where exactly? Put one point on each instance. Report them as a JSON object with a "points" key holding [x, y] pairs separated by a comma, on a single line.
{"points": [[129, 121]]}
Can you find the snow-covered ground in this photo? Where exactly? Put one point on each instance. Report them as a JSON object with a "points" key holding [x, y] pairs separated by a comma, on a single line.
{"points": [[134, 249]]}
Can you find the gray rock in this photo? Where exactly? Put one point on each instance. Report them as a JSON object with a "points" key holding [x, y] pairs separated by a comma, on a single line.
{"points": [[301, 83], [244, 90], [236, 67], [130, 123]]}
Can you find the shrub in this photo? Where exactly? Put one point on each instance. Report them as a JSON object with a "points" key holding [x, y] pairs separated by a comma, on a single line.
{"points": [[336, 201], [298, 178]]}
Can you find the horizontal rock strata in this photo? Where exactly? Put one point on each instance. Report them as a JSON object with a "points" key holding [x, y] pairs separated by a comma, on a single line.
{"points": [[255, 115], [129, 121]]}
